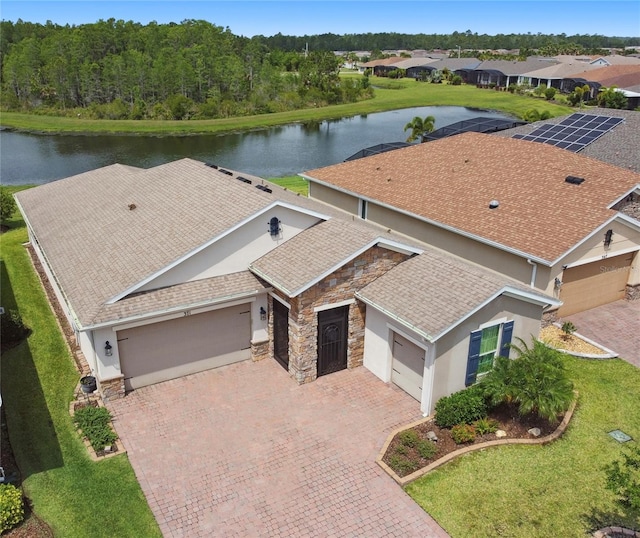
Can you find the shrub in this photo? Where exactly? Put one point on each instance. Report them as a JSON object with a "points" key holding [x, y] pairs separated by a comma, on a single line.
{"points": [[461, 407], [12, 328], [550, 93], [623, 478], [94, 423], [486, 425], [402, 449], [456, 80], [463, 433], [11, 507], [568, 329], [402, 465], [426, 449], [7, 204], [409, 438]]}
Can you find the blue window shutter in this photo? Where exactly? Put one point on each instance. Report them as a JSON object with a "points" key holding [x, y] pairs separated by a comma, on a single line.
{"points": [[473, 358], [507, 333]]}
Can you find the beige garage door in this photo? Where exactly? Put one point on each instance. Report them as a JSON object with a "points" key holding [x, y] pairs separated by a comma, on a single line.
{"points": [[169, 349], [594, 284], [407, 366]]}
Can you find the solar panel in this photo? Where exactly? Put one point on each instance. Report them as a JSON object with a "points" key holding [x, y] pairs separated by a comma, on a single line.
{"points": [[573, 133]]}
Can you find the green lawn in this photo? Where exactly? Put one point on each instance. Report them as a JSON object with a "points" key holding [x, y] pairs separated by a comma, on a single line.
{"points": [[553, 490], [293, 183], [75, 496], [389, 95]]}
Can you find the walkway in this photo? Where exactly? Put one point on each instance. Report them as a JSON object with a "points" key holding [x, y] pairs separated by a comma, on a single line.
{"points": [[244, 451], [615, 326]]}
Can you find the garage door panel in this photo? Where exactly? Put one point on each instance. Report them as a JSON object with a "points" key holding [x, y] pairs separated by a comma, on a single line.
{"points": [[594, 284], [165, 350], [407, 366]]}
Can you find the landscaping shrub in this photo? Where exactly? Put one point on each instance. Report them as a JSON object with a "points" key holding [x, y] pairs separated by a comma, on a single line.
{"points": [[402, 465], [463, 433], [461, 407], [94, 423], [7, 204], [12, 328], [623, 478], [11, 507], [426, 449], [409, 438], [486, 425]]}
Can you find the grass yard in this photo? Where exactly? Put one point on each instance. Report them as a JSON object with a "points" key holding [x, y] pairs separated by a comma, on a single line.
{"points": [[293, 183], [389, 95], [74, 495], [553, 490]]}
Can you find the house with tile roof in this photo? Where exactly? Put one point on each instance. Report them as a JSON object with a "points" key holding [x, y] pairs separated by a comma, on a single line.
{"points": [[544, 216], [185, 267]]}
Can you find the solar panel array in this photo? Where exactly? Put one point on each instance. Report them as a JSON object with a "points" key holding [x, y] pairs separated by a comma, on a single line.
{"points": [[573, 133]]}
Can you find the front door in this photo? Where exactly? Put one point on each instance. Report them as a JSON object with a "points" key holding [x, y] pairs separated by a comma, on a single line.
{"points": [[332, 340], [281, 334]]}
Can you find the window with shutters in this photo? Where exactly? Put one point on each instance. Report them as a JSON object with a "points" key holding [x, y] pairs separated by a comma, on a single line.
{"points": [[484, 346]]}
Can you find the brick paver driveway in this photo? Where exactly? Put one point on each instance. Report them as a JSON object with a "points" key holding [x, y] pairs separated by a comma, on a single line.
{"points": [[615, 325], [244, 451]]}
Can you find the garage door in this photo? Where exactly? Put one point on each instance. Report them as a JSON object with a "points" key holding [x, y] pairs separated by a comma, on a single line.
{"points": [[169, 349], [407, 366], [594, 284]]}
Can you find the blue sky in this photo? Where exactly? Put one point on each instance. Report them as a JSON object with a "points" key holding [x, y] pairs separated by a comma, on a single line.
{"points": [[300, 17]]}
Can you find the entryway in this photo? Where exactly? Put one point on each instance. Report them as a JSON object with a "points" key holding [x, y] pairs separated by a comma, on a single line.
{"points": [[332, 340]]}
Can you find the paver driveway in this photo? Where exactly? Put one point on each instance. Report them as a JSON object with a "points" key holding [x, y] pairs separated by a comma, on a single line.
{"points": [[244, 451]]}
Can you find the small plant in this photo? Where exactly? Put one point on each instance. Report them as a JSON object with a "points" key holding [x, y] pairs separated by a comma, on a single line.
{"points": [[623, 478], [409, 438], [426, 449], [7, 204], [402, 465], [568, 329], [462, 407], [402, 449], [11, 507], [94, 424], [485, 425], [463, 433]]}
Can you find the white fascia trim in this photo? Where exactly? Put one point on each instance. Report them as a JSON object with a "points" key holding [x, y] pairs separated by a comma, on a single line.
{"points": [[600, 258], [422, 345], [200, 248], [620, 217], [394, 317], [435, 223], [618, 200], [280, 300], [509, 291], [246, 297], [390, 245]]}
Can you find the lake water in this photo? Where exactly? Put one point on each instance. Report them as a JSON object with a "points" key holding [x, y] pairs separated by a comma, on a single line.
{"points": [[274, 152]]}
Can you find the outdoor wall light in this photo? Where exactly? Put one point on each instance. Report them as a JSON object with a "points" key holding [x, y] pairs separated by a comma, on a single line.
{"points": [[263, 313], [108, 349], [607, 238], [274, 227], [557, 283]]}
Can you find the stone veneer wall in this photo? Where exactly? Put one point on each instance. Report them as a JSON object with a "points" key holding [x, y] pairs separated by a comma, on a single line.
{"points": [[112, 389], [632, 293], [337, 287], [260, 350]]}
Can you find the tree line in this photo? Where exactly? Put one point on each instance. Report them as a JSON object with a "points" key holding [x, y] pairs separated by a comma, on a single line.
{"points": [[117, 69], [194, 69]]}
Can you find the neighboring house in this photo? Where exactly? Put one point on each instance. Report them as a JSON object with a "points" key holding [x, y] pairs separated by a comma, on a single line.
{"points": [[544, 216], [184, 267]]}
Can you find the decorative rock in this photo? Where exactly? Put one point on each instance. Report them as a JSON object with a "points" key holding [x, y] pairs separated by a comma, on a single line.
{"points": [[500, 434], [431, 435], [535, 432]]}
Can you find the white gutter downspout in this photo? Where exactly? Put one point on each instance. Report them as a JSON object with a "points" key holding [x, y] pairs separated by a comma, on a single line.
{"points": [[534, 270]]}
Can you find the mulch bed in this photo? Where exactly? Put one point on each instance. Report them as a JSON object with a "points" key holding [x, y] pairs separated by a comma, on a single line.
{"points": [[515, 426]]}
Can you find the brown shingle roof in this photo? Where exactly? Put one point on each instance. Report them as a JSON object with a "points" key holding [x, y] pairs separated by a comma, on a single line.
{"points": [[451, 182]]}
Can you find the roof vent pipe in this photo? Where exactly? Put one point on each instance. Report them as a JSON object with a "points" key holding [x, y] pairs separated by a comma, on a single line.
{"points": [[493, 204], [574, 180]]}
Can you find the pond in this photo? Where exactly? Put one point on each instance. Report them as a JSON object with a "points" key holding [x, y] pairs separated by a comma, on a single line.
{"points": [[274, 152]]}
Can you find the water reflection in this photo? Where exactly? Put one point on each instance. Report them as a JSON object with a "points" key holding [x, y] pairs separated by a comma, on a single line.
{"points": [[274, 152]]}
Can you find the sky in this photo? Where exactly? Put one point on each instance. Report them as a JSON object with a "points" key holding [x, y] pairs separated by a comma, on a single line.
{"points": [[308, 17]]}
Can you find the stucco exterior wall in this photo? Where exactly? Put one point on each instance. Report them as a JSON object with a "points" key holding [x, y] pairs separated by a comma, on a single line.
{"points": [[334, 197], [453, 348], [105, 367], [233, 252]]}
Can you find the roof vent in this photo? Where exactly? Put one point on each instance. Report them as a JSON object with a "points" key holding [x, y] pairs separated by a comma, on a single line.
{"points": [[574, 180], [225, 171], [210, 165], [264, 188], [493, 204], [132, 207], [243, 179]]}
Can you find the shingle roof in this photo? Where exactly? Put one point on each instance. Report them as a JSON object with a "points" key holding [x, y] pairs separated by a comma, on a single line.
{"points": [[312, 253], [618, 147], [514, 67], [621, 76], [98, 247], [451, 182], [433, 291]]}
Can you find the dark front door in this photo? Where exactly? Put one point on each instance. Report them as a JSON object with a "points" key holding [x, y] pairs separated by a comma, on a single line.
{"points": [[332, 340], [281, 334]]}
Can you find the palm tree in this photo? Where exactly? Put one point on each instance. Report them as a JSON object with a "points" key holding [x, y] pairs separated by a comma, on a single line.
{"points": [[419, 126]]}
